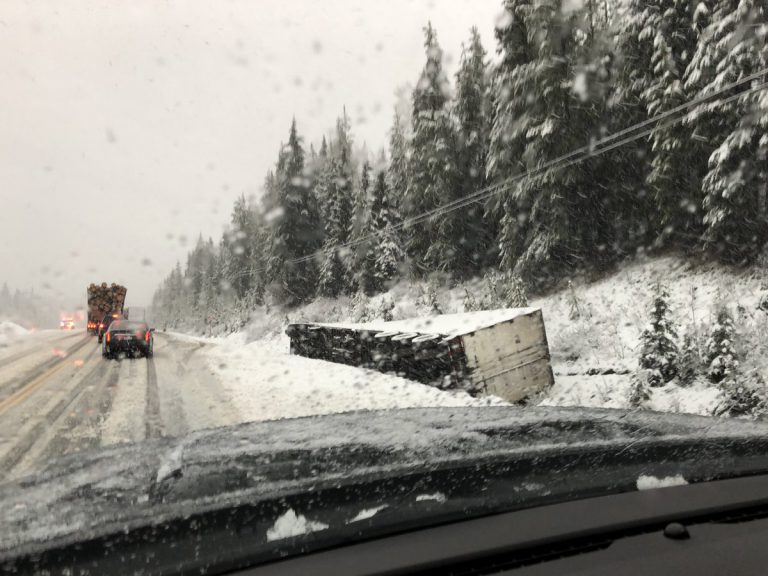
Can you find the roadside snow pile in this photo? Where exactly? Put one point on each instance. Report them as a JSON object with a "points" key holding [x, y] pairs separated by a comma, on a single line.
{"points": [[10, 332], [266, 383]]}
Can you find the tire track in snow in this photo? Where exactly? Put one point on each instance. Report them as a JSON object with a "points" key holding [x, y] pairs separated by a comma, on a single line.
{"points": [[39, 430], [16, 385], [80, 426], [153, 424]]}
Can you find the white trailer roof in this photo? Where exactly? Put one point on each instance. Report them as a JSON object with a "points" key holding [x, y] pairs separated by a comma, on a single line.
{"points": [[446, 325]]}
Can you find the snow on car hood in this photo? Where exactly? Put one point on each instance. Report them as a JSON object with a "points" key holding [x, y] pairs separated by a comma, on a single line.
{"points": [[93, 493]]}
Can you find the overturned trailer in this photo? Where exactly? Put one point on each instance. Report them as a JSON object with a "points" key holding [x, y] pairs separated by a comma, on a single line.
{"points": [[494, 352]]}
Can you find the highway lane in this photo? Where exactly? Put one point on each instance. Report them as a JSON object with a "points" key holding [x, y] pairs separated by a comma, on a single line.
{"points": [[58, 396]]}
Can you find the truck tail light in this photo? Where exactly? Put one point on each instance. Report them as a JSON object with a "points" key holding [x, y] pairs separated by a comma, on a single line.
{"points": [[146, 336]]}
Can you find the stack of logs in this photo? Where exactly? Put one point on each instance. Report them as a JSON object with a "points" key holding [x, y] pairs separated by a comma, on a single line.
{"points": [[106, 298]]}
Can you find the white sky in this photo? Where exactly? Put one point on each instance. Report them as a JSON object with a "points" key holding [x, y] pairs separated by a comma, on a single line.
{"points": [[127, 128]]}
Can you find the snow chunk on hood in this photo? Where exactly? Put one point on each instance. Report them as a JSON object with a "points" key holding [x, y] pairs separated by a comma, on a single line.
{"points": [[289, 525], [650, 482]]}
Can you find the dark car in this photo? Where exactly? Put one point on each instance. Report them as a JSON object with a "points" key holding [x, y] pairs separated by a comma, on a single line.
{"points": [[103, 326], [131, 338]]}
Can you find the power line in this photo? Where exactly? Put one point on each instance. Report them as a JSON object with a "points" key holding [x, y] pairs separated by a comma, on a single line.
{"points": [[576, 156], [563, 161]]}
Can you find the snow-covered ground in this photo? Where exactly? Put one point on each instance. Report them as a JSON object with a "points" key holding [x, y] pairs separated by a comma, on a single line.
{"points": [[10, 333], [265, 382], [594, 352]]}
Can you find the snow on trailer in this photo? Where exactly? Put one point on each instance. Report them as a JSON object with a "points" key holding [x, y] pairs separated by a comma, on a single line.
{"points": [[495, 352]]}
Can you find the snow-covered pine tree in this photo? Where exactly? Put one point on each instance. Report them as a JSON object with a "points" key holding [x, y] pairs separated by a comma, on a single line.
{"points": [[732, 46], [658, 348], [746, 398], [428, 300], [386, 250], [639, 391], [337, 186], [432, 173], [558, 205], [677, 163], [296, 228], [470, 302], [363, 253], [721, 357], [397, 171], [242, 242], [688, 362], [655, 40], [471, 109], [331, 279], [507, 136], [322, 172]]}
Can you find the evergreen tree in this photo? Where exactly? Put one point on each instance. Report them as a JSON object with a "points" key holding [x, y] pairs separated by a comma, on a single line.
{"points": [[658, 350], [471, 238], [397, 171], [296, 230], [507, 137], [334, 278], [722, 360], [639, 391], [688, 361], [432, 173], [386, 250], [549, 215], [732, 46], [364, 256]]}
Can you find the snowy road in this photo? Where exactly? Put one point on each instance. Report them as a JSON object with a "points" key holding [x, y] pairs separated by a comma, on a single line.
{"points": [[58, 396]]}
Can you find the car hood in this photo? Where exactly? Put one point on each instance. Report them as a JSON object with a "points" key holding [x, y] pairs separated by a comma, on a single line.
{"points": [[118, 488]]}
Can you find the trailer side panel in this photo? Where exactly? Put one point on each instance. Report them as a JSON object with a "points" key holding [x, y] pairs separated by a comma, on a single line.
{"points": [[510, 359]]}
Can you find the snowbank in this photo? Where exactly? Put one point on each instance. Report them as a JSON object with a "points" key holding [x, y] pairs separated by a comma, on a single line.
{"points": [[11, 332]]}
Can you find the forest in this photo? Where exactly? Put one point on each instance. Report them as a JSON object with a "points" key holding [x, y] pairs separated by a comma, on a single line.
{"points": [[599, 130]]}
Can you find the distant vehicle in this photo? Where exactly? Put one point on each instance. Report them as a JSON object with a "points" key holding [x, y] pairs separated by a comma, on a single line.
{"points": [[67, 324], [104, 301], [132, 338]]}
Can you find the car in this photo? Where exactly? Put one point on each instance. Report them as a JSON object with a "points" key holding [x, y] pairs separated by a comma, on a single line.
{"points": [[67, 324], [131, 338]]}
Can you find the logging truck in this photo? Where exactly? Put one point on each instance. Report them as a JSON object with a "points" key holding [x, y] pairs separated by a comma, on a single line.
{"points": [[105, 302]]}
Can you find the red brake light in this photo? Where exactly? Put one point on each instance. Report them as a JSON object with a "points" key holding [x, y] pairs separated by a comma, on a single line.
{"points": [[108, 335], [146, 336]]}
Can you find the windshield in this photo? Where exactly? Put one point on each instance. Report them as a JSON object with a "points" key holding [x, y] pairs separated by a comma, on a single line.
{"points": [[419, 246]]}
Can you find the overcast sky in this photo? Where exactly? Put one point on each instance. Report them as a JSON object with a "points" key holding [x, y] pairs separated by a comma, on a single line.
{"points": [[127, 128]]}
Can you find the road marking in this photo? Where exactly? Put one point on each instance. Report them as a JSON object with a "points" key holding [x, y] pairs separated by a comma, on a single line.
{"points": [[24, 392], [12, 462]]}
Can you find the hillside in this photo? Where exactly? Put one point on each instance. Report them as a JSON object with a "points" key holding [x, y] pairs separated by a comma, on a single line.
{"points": [[595, 350]]}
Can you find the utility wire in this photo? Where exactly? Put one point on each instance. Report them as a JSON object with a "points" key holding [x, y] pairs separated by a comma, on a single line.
{"points": [[594, 149]]}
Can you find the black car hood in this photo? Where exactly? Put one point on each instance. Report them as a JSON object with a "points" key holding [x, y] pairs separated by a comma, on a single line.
{"points": [[120, 488]]}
